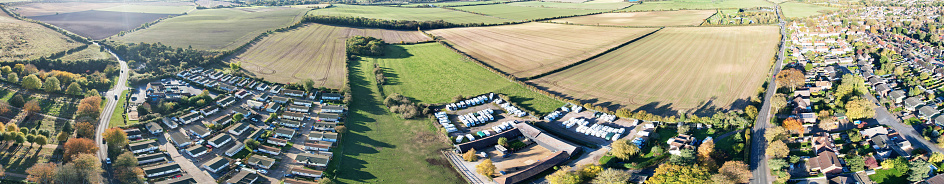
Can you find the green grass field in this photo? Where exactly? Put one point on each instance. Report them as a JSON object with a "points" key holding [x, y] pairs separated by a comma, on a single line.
{"points": [[395, 13], [889, 176], [588, 6], [216, 29], [116, 118], [795, 9], [431, 73], [695, 69], [380, 147], [21, 40], [92, 52], [449, 4], [522, 13], [698, 5]]}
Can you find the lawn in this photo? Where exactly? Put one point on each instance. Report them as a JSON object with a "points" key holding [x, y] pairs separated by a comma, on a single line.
{"points": [[530, 49], [380, 147], [796, 9], [216, 29], [63, 107], [91, 53], [431, 73], [677, 69], [18, 158], [25, 40], [397, 13], [314, 51], [116, 118], [889, 176], [523, 13], [698, 5], [587, 6], [651, 19]]}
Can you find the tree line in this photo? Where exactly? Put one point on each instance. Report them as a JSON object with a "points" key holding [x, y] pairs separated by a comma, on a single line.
{"points": [[386, 24], [160, 60]]}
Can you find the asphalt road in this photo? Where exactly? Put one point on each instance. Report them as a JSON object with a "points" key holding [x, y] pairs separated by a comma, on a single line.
{"points": [[110, 108], [758, 158], [886, 118]]}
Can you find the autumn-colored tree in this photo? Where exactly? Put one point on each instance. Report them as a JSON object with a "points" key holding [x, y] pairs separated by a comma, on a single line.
{"points": [[732, 172], [12, 127], [859, 108], [62, 137], [85, 130], [503, 141], [936, 157], [32, 82], [612, 176], [704, 155], [126, 168], [751, 111], [77, 146], [590, 171], [85, 168], [89, 107], [777, 149], [470, 156], [670, 173], [623, 149], [564, 176], [486, 168], [794, 125], [790, 78], [43, 173], [4, 108], [52, 85], [32, 107], [777, 102], [116, 139], [776, 133]]}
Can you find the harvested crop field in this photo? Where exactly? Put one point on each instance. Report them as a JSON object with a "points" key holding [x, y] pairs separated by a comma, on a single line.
{"points": [[586, 6], [312, 52], [96, 24], [655, 18], [522, 13], [698, 5], [20, 40], [397, 13], [693, 69], [431, 73], [216, 29], [49, 8], [795, 9], [213, 3], [530, 49]]}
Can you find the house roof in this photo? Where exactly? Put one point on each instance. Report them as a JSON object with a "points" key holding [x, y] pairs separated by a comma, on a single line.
{"points": [[152, 126], [293, 114], [306, 171], [181, 180], [937, 179], [318, 144], [241, 127], [927, 110], [325, 124], [294, 181], [179, 138], [897, 94], [825, 159], [191, 115], [913, 102], [277, 140], [881, 141], [226, 100], [161, 168], [285, 131], [196, 150], [312, 158], [221, 138], [320, 134], [298, 107], [243, 177], [270, 148], [222, 119], [217, 162], [332, 107], [279, 99], [545, 140], [132, 131], [199, 129], [151, 156], [260, 160], [330, 95], [881, 87], [290, 122], [292, 91], [143, 144], [328, 116], [209, 109], [236, 148]]}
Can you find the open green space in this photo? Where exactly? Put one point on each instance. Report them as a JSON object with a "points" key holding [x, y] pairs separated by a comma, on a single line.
{"points": [[91, 53], [216, 29], [63, 107], [397, 13], [522, 13], [448, 4], [380, 147], [116, 118], [588, 6], [19, 157], [796, 9], [698, 5], [431, 73], [889, 176]]}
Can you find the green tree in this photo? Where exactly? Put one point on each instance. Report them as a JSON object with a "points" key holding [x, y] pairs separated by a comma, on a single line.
{"points": [[41, 140], [52, 85], [503, 141], [30, 138], [74, 89], [751, 111], [919, 170], [686, 157], [116, 139], [126, 168], [238, 117], [20, 138], [13, 78], [855, 162], [936, 157], [32, 82]]}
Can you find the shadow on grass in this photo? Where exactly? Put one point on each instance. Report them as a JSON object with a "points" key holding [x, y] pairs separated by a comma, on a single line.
{"points": [[364, 104]]}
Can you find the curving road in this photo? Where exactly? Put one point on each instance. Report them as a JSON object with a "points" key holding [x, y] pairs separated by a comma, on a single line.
{"points": [[109, 108], [758, 158]]}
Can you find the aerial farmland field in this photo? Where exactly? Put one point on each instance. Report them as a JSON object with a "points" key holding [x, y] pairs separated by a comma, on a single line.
{"points": [[654, 18], [216, 29], [530, 49], [97, 24], [675, 69], [312, 52], [431, 73], [449, 3], [52, 8], [397, 13], [698, 5], [795, 9], [588, 6], [90, 53], [522, 13], [20, 40]]}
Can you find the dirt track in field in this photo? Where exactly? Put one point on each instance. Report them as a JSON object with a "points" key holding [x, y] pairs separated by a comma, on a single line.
{"points": [[676, 69]]}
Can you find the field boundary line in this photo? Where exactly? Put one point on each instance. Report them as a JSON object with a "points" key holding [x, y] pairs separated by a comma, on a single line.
{"points": [[592, 57]]}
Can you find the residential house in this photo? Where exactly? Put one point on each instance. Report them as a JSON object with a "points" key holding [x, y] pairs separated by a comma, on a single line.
{"points": [[170, 124], [151, 158], [190, 118], [682, 141], [323, 136], [318, 145], [235, 149], [883, 143], [239, 129], [329, 117], [284, 132], [872, 132], [325, 126], [290, 123], [298, 108], [275, 89], [133, 133], [939, 119], [295, 181], [179, 139], [216, 164], [276, 141], [327, 108], [304, 172], [279, 99], [808, 117], [143, 146], [227, 87], [207, 111], [160, 170], [196, 151], [305, 103], [912, 103], [926, 112], [260, 161], [882, 89], [823, 142], [222, 120], [898, 96], [154, 128], [313, 160], [825, 162], [269, 150], [220, 140], [331, 96], [198, 130], [226, 101], [293, 116], [273, 107], [293, 93], [241, 94], [253, 104], [242, 177], [937, 179]]}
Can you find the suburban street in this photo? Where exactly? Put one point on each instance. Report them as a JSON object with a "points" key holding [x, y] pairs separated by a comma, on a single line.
{"points": [[886, 118], [110, 108], [758, 158]]}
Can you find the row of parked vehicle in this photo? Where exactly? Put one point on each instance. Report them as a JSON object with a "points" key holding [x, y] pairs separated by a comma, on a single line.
{"points": [[445, 122], [477, 118], [478, 100]]}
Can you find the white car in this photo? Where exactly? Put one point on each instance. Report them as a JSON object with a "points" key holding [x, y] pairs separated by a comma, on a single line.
{"points": [[263, 171]]}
